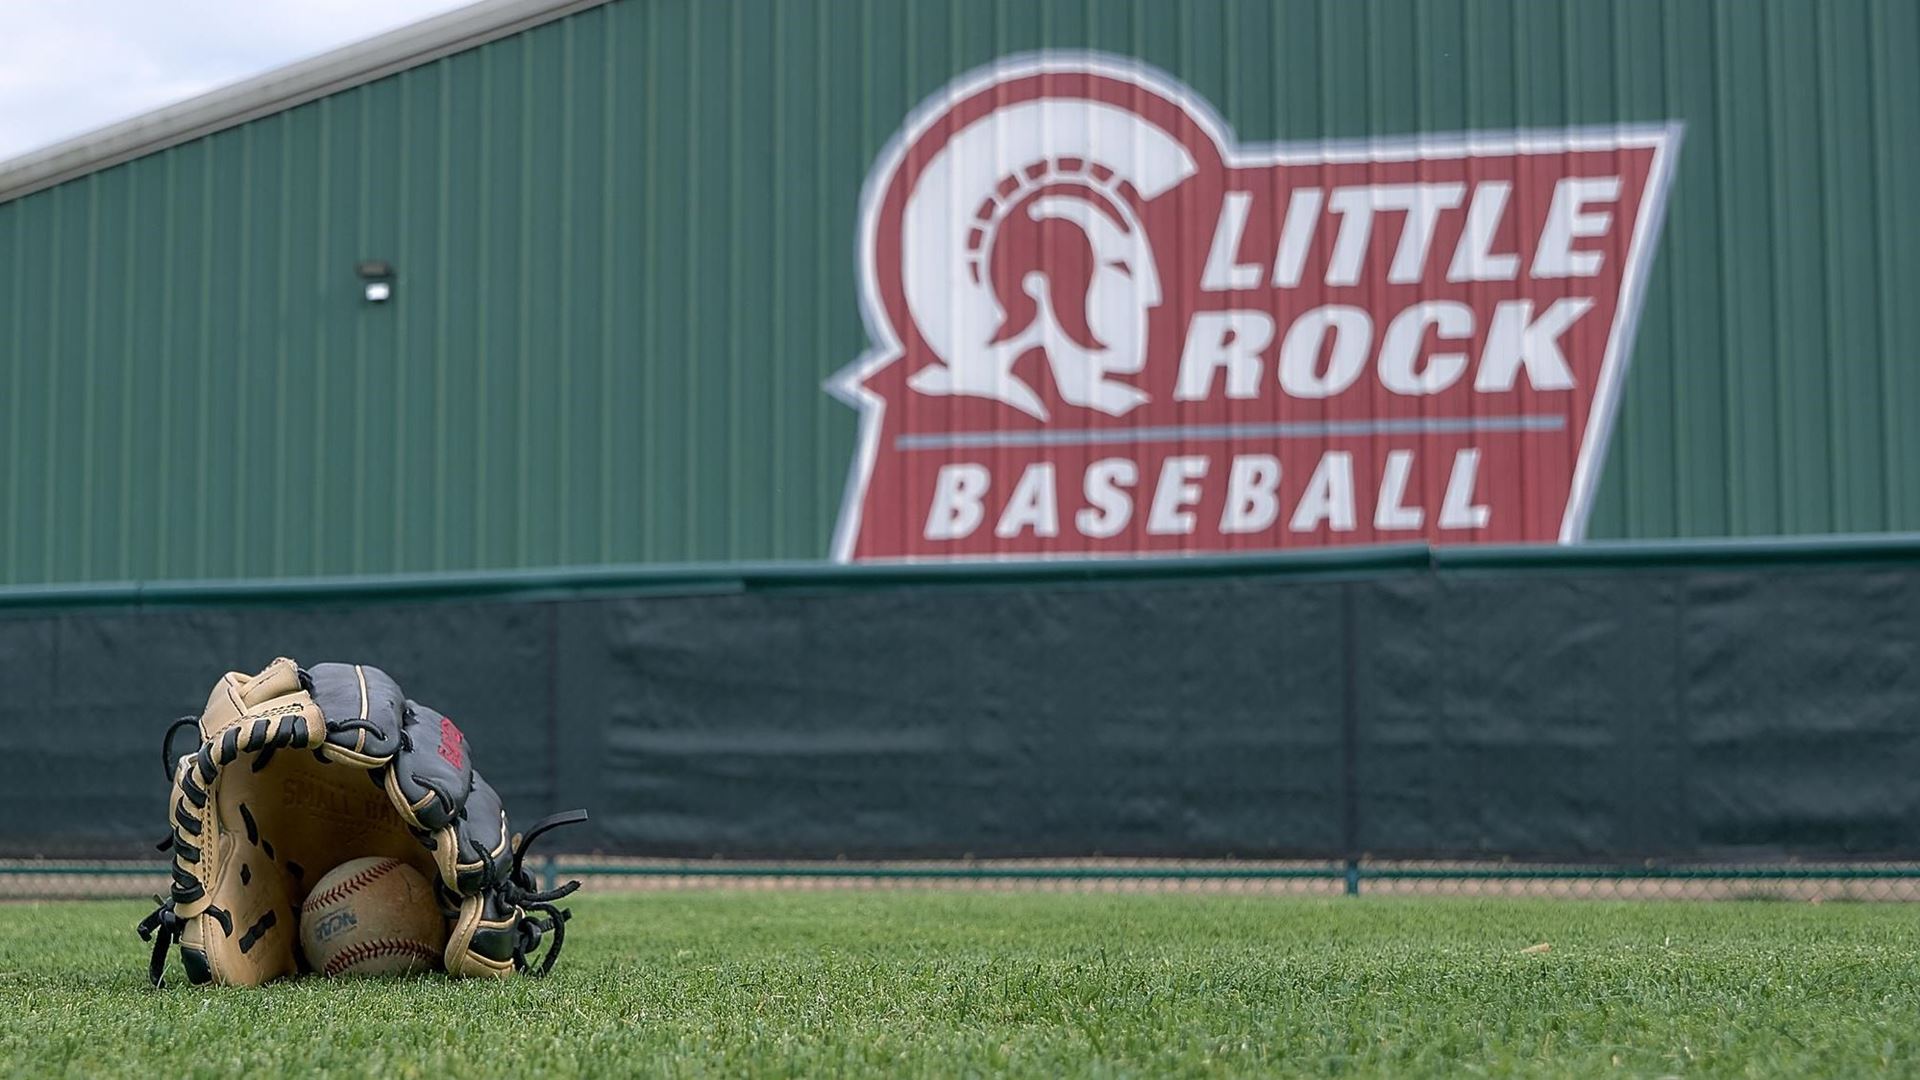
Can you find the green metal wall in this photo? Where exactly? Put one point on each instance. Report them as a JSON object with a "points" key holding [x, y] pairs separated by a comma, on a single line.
{"points": [[625, 253]]}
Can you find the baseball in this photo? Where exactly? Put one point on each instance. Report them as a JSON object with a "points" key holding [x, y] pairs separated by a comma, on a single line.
{"points": [[374, 916]]}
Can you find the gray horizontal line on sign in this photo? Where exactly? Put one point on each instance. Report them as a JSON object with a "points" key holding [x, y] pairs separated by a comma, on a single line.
{"points": [[1298, 429]]}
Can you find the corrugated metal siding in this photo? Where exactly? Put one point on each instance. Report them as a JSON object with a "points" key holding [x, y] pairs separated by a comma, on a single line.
{"points": [[624, 243]]}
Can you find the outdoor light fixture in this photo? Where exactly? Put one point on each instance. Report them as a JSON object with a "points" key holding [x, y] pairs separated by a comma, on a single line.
{"points": [[377, 276]]}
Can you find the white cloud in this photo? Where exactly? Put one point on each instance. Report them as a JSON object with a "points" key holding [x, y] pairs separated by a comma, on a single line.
{"points": [[70, 66]]}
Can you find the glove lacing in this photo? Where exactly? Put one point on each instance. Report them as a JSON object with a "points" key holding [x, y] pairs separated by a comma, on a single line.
{"points": [[162, 928], [167, 759], [519, 891]]}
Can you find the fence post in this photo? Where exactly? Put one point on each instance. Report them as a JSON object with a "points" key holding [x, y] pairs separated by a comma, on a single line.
{"points": [[553, 706], [1350, 738]]}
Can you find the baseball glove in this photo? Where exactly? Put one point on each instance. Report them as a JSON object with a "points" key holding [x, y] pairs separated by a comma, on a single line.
{"points": [[278, 793]]}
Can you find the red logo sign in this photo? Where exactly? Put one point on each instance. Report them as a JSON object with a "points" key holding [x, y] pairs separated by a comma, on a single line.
{"points": [[1102, 327], [453, 745]]}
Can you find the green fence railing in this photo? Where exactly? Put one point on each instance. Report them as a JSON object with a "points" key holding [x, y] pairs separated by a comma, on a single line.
{"points": [[709, 578]]}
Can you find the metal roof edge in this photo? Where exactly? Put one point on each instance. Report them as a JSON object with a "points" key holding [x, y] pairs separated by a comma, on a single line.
{"points": [[278, 90]]}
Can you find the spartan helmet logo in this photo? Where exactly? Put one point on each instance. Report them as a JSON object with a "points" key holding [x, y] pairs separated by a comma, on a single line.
{"points": [[1024, 233]]}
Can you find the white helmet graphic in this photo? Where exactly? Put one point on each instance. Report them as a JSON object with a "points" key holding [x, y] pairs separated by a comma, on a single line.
{"points": [[989, 200]]}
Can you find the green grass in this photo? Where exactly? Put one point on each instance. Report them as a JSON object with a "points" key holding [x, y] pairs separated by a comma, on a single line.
{"points": [[873, 983]]}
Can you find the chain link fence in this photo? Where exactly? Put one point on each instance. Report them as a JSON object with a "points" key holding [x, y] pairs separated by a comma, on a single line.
{"points": [[1701, 721], [1813, 882]]}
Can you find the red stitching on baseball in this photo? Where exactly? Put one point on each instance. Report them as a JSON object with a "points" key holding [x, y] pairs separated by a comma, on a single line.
{"points": [[352, 885], [367, 950]]}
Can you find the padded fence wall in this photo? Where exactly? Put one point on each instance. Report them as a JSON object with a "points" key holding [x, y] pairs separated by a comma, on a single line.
{"points": [[1682, 703]]}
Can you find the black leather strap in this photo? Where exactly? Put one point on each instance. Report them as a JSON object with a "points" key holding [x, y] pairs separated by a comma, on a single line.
{"points": [[166, 745], [551, 821], [161, 927]]}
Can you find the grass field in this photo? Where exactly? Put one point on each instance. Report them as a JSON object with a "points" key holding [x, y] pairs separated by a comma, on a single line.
{"points": [[1037, 984]]}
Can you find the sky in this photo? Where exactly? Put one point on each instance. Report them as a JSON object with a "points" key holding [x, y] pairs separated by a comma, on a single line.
{"points": [[68, 67]]}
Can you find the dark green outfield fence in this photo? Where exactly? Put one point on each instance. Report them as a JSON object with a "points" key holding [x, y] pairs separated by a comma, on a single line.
{"points": [[1678, 703]]}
